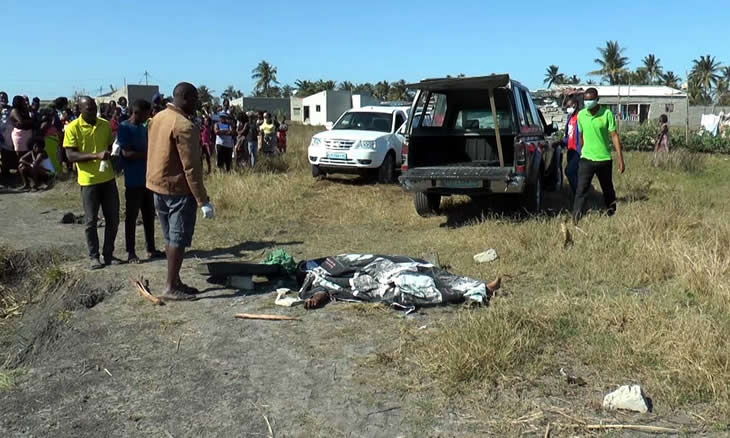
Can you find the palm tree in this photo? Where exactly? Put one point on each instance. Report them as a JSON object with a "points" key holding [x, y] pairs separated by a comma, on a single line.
{"points": [[612, 62], [399, 92], [639, 77], [705, 73], [264, 74], [346, 86], [723, 92], [287, 91], [572, 80], [653, 67], [670, 80], [205, 95], [364, 88], [231, 93], [725, 72], [382, 89], [553, 76]]}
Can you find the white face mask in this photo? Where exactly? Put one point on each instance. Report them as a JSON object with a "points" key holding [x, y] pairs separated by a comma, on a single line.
{"points": [[570, 110]]}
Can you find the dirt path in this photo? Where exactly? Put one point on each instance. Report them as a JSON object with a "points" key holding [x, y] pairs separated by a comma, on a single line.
{"points": [[126, 368]]}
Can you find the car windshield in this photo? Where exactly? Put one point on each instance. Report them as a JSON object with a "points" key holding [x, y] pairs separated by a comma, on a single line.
{"points": [[366, 121]]}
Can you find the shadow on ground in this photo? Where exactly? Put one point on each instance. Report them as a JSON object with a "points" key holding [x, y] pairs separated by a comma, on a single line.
{"points": [[238, 250]]}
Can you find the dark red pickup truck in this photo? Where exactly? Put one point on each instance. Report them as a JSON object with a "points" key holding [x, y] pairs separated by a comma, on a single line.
{"points": [[479, 136]]}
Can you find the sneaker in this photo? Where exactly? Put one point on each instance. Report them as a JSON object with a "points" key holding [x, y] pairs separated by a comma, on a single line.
{"points": [[95, 264], [112, 261], [177, 295]]}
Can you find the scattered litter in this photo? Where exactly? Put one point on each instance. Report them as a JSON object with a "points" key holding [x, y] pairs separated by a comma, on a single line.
{"points": [[265, 317], [143, 290], [107, 371], [423, 327], [487, 256], [627, 397], [572, 379], [286, 301], [241, 282], [281, 258], [394, 280]]}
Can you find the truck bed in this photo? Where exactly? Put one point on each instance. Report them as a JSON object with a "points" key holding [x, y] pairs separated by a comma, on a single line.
{"points": [[459, 150]]}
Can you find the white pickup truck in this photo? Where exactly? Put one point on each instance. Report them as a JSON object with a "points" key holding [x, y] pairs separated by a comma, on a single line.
{"points": [[363, 140]]}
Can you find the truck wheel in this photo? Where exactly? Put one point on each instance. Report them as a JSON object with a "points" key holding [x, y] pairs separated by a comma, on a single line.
{"points": [[316, 171], [426, 205], [532, 198], [386, 171]]}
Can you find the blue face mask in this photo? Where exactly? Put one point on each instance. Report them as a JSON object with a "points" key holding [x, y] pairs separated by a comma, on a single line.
{"points": [[591, 103]]}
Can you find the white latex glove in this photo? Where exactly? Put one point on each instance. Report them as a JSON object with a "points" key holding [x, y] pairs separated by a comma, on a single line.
{"points": [[208, 211]]}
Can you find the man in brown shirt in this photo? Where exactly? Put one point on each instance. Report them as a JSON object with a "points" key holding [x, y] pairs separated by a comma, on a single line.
{"points": [[175, 176]]}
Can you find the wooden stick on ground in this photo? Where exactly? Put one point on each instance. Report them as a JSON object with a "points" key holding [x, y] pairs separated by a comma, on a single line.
{"points": [[640, 428], [265, 317], [144, 292]]}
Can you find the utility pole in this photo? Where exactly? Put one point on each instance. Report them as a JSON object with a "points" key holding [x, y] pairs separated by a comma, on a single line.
{"points": [[686, 127], [146, 77]]}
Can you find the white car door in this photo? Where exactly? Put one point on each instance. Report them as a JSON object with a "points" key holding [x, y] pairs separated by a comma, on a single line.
{"points": [[396, 138]]}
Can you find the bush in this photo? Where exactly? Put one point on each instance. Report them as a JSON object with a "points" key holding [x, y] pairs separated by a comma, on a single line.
{"points": [[643, 138]]}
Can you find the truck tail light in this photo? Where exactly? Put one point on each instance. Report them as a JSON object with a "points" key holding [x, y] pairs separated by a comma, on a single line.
{"points": [[404, 156], [520, 158]]}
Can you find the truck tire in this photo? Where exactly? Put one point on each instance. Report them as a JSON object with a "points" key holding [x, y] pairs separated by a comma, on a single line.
{"points": [[533, 196], [316, 171], [386, 171], [426, 204]]}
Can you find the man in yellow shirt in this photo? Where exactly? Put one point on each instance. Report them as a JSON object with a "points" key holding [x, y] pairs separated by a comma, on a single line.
{"points": [[87, 141]]}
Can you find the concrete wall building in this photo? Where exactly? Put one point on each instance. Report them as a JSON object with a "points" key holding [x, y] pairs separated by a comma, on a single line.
{"points": [[274, 105], [131, 92], [327, 106]]}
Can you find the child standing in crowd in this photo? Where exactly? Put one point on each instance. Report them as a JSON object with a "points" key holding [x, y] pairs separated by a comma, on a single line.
{"points": [[281, 135], [35, 166], [206, 138], [51, 136], [223, 143], [115, 120]]}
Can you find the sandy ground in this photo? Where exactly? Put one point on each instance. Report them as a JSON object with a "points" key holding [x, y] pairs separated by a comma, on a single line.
{"points": [[126, 368]]}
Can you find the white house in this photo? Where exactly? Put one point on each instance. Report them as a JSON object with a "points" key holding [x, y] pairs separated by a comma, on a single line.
{"points": [[327, 106]]}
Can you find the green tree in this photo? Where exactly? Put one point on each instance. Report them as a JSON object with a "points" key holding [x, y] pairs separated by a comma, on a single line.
{"points": [[399, 92], [705, 73], [653, 68], [612, 63], [287, 91], [670, 80], [364, 88], [723, 92], [265, 75], [205, 95], [346, 86], [572, 80], [639, 77], [553, 76], [382, 89], [230, 93]]}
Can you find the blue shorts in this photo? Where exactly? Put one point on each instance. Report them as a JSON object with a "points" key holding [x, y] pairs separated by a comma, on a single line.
{"points": [[177, 214]]}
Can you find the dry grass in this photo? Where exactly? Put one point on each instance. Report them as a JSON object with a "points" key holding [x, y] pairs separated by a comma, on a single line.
{"points": [[641, 297]]}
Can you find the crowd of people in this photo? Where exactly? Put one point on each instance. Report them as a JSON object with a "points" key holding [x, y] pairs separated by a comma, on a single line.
{"points": [[231, 136], [160, 146]]}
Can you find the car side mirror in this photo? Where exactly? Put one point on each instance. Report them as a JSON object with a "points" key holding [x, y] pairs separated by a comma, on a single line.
{"points": [[329, 126]]}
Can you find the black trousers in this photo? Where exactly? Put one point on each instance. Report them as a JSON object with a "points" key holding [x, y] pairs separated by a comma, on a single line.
{"points": [[106, 196], [8, 161], [139, 199], [586, 170], [224, 157]]}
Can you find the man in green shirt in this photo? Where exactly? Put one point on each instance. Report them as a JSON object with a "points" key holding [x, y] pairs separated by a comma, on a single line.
{"points": [[597, 127]]}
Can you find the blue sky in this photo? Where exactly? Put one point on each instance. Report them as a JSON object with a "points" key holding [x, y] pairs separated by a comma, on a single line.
{"points": [[54, 47]]}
